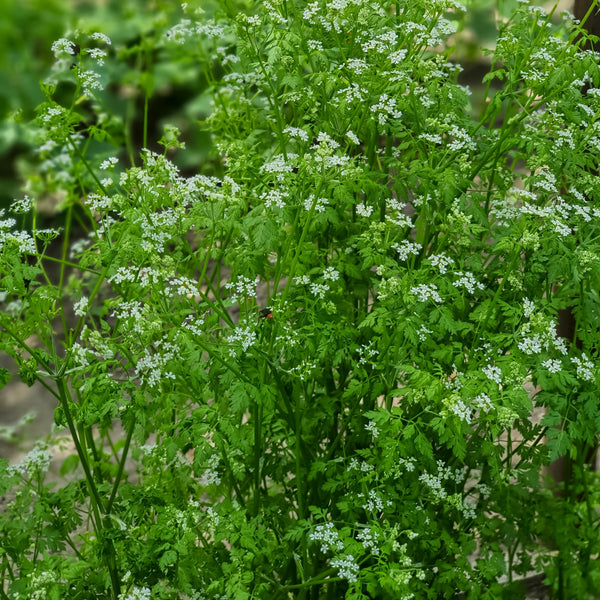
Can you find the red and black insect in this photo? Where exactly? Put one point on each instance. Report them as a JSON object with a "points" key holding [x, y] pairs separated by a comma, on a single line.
{"points": [[266, 313]]}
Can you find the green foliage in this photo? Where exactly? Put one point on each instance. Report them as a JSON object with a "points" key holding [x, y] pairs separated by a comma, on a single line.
{"points": [[310, 367]]}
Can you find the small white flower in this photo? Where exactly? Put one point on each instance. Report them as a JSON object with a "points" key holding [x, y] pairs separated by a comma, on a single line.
{"points": [[347, 568], [243, 335], [364, 211], [97, 54], [80, 307], [331, 274], [352, 137], [242, 287], [373, 503], [553, 365], [296, 132], [468, 281], [584, 367], [493, 373], [530, 345], [406, 248], [319, 204], [136, 593], [426, 292], [274, 198], [369, 540], [100, 37], [63, 47], [371, 427], [528, 307], [109, 163], [211, 475], [329, 537], [319, 289], [483, 402], [441, 261], [461, 410], [422, 333]]}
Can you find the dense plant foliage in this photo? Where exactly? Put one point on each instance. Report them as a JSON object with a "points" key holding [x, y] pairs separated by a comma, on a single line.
{"points": [[309, 368]]}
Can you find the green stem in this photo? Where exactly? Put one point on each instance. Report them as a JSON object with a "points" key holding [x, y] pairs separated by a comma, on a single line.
{"points": [[113, 494], [96, 504], [94, 495], [300, 484]]}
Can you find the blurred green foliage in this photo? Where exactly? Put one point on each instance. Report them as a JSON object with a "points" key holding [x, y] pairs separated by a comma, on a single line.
{"points": [[28, 29]]}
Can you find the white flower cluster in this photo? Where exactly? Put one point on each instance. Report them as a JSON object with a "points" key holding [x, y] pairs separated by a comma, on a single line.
{"points": [[151, 367], [368, 538], [211, 475], [553, 365], [528, 308], [347, 567], [136, 593], [279, 165], [328, 536], [331, 274], [89, 81], [397, 216], [157, 229], [461, 140], [493, 373], [460, 409], [537, 342], [62, 48], [382, 43], [319, 290], [441, 262], [366, 353], [584, 367], [386, 109], [98, 54], [22, 205], [24, 242], [435, 483], [353, 94], [134, 311], [182, 286], [406, 248], [296, 132], [468, 281], [98, 203], [186, 29], [109, 163], [319, 204], [364, 211], [422, 333], [146, 276], [274, 198], [358, 66], [244, 336], [482, 402], [373, 502], [362, 466], [193, 324], [352, 137], [371, 427], [37, 460], [242, 287], [81, 306], [425, 292]]}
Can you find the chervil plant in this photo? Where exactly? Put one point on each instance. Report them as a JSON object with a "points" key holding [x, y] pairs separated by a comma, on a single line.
{"points": [[309, 369]]}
